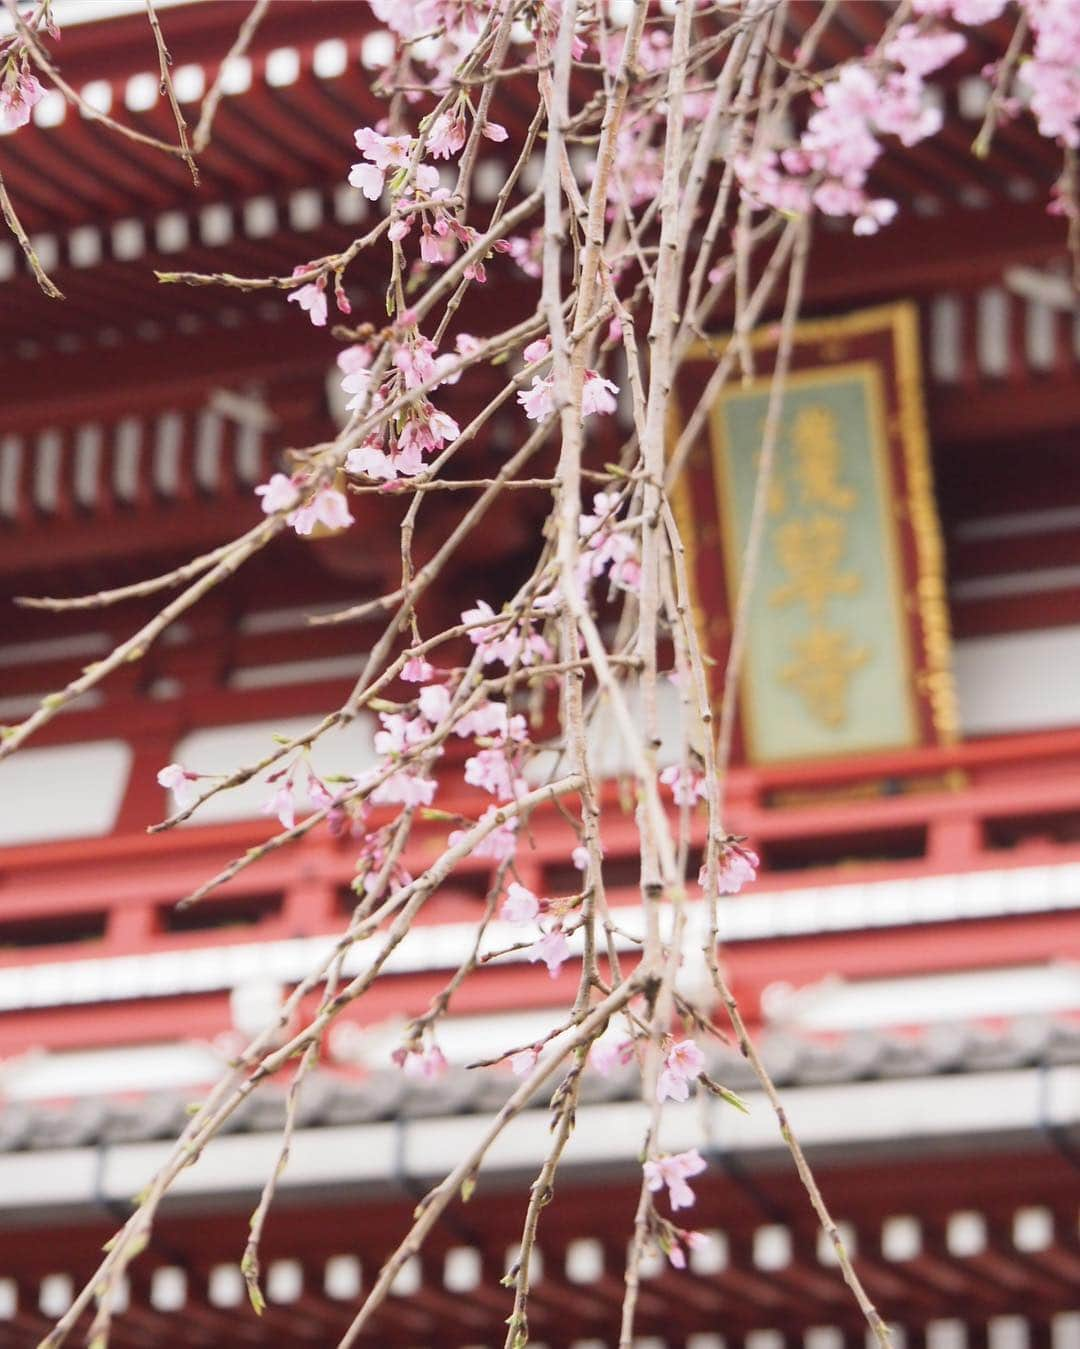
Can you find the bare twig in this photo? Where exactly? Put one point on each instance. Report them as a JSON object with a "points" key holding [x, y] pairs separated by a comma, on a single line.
{"points": [[164, 62], [201, 136], [15, 225]]}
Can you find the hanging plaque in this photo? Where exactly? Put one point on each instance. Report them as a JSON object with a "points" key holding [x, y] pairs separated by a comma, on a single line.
{"points": [[847, 649]]}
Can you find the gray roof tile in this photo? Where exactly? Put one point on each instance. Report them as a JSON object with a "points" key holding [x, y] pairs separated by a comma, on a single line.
{"points": [[330, 1099]]}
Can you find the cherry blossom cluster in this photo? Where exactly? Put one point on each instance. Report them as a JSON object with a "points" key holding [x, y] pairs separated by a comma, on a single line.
{"points": [[450, 28], [1049, 78], [605, 548], [521, 907], [1052, 75], [673, 1172], [325, 507], [407, 746], [391, 163], [507, 641], [20, 89], [597, 395], [683, 1065], [830, 164], [20, 93], [397, 447]]}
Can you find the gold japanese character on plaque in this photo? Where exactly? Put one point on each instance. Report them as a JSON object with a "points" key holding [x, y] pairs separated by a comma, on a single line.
{"points": [[817, 454], [821, 673], [810, 551]]}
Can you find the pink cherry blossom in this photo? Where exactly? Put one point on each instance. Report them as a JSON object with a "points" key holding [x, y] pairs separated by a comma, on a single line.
{"points": [[687, 787], [405, 789], [414, 360], [369, 462], [963, 11], [426, 179], [177, 779], [580, 857], [737, 866], [922, 52], [282, 805], [517, 729], [427, 1064], [446, 136], [610, 1053], [477, 616], [539, 400], [279, 494], [841, 144], [880, 211], [673, 1171], [357, 384], [684, 1242], [835, 198], [327, 507], [416, 670], [527, 649], [434, 250], [520, 905], [487, 719], [368, 179], [434, 702], [399, 733], [682, 1065], [527, 252], [499, 845], [552, 949], [524, 1061], [491, 770], [538, 350], [354, 358], [976, 11], [495, 131], [614, 552], [312, 298], [597, 394], [385, 152], [443, 429], [19, 96], [408, 20], [408, 458]]}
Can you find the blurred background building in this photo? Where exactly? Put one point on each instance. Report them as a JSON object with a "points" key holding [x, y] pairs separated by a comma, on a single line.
{"points": [[908, 956]]}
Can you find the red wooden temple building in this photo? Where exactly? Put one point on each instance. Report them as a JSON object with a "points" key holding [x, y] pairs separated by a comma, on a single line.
{"points": [[908, 955]]}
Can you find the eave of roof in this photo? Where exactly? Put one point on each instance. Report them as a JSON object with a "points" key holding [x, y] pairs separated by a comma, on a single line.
{"points": [[971, 1058]]}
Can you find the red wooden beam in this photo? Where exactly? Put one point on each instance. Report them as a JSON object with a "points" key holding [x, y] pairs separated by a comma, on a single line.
{"points": [[181, 373], [942, 948], [1004, 411], [931, 255]]}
